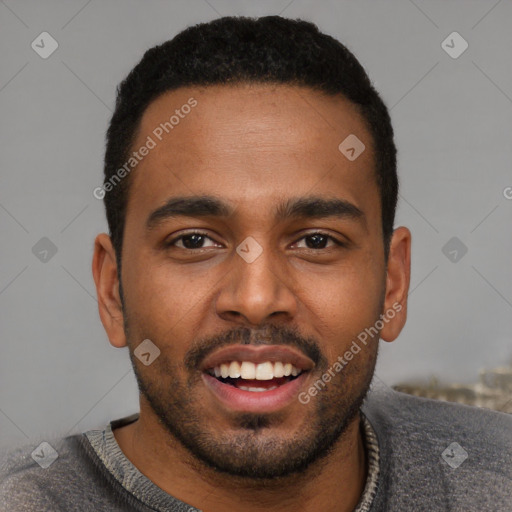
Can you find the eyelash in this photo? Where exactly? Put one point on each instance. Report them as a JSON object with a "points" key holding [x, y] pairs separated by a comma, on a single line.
{"points": [[171, 242]]}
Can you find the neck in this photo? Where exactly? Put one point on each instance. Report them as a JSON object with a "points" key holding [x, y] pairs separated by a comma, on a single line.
{"points": [[333, 484]]}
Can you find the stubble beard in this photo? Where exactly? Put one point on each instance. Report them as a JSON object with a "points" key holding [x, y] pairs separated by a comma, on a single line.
{"points": [[253, 449]]}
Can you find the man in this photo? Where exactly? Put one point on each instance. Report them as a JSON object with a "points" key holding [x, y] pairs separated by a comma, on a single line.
{"points": [[251, 269]]}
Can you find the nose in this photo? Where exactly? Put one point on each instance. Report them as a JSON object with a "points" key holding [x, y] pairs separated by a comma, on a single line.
{"points": [[255, 290]]}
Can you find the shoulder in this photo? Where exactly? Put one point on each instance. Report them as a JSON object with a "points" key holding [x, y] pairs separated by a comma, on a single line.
{"points": [[39, 475], [461, 454], [403, 413]]}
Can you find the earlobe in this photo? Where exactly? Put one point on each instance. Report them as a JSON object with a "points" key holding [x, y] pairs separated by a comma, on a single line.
{"points": [[397, 284], [104, 269]]}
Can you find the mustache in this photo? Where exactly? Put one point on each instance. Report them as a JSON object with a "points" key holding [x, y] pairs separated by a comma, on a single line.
{"points": [[270, 335]]}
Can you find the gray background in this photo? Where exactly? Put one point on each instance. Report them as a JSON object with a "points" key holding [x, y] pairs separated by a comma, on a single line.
{"points": [[453, 117]]}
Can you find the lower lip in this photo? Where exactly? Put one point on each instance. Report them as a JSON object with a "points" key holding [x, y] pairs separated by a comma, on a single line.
{"points": [[254, 401]]}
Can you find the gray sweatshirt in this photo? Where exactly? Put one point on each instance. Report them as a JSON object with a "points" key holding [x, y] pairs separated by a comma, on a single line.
{"points": [[424, 455]]}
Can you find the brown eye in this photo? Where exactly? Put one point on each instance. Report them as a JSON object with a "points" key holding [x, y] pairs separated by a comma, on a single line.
{"points": [[190, 241], [319, 240]]}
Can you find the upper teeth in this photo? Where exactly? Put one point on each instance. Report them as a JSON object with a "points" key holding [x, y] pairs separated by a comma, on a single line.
{"points": [[261, 371]]}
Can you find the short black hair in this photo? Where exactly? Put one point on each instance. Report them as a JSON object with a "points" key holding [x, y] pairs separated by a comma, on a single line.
{"points": [[234, 50]]}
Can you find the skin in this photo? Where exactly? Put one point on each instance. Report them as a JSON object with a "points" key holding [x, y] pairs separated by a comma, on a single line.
{"points": [[253, 146]]}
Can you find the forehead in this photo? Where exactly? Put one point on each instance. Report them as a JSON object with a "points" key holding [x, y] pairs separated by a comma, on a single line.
{"points": [[250, 144]]}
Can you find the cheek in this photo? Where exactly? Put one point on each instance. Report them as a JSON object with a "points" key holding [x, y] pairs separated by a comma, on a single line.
{"points": [[168, 306], [348, 291], [343, 307], [155, 287], [153, 304]]}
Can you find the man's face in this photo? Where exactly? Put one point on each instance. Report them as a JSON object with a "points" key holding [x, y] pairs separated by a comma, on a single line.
{"points": [[290, 294]]}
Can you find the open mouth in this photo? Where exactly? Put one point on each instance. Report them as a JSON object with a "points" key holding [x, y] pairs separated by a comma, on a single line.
{"points": [[248, 376], [260, 379]]}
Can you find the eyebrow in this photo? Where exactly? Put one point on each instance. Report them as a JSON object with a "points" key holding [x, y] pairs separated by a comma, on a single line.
{"points": [[312, 207]]}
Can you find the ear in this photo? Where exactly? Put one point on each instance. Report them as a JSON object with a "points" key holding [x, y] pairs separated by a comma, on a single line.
{"points": [[104, 270], [397, 284]]}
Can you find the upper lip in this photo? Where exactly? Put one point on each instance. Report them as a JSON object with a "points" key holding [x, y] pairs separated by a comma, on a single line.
{"points": [[258, 354]]}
